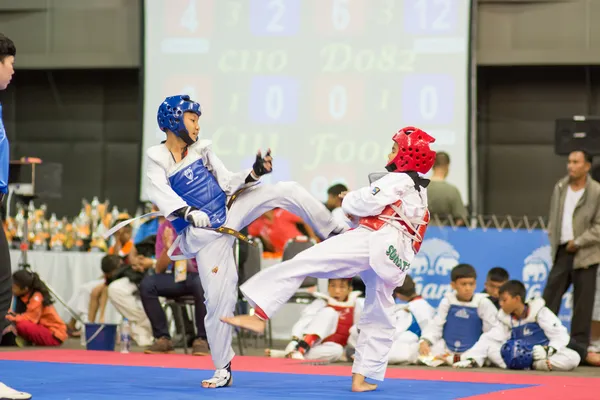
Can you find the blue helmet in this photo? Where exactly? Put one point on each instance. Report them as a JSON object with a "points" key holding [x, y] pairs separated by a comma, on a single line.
{"points": [[516, 354], [170, 115]]}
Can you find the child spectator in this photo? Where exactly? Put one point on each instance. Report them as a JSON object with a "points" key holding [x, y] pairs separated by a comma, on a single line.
{"points": [[324, 327], [462, 316], [496, 277], [40, 323], [528, 336]]}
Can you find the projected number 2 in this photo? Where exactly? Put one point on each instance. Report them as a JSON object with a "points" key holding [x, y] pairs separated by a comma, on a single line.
{"points": [[430, 16], [274, 17], [428, 99], [273, 100]]}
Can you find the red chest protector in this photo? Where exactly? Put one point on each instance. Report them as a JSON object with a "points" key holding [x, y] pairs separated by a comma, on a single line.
{"points": [[345, 322], [375, 223]]}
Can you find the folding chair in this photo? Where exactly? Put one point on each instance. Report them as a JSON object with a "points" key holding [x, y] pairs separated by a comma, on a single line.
{"points": [[291, 249], [179, 305]]}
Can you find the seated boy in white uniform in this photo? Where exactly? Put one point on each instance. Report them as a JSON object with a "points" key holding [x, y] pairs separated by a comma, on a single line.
{"points": [[412, 317], [323, 329], [462, 316], [528, 336]]}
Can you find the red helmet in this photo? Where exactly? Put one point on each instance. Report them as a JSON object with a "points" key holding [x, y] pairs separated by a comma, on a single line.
{"points": [[414, 153]]}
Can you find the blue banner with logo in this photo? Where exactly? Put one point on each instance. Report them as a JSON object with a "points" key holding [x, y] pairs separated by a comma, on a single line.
{"points": [[524, 254]]}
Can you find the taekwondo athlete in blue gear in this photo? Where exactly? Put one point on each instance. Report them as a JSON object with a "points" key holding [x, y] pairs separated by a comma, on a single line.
{"points": [[192, 188], [8, 52]]}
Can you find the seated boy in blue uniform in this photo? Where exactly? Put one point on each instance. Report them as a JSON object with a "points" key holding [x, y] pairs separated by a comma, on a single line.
{"points": [[528, 336], [462, 316]]}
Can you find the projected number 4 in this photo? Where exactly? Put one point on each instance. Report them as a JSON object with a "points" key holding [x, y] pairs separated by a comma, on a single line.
{"points": [[274, 17], [273, 100], [431, 17]]}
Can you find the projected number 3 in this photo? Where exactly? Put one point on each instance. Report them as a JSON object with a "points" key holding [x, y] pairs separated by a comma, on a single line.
{"points": [[274, 17], [273, 100]]}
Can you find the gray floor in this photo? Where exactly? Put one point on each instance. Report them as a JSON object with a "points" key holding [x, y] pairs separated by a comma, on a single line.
{"points": [[255, 347]]}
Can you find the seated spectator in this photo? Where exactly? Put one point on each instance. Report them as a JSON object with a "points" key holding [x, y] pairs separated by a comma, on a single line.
{"points": [[323, 329], [276, 227], [528, 336], [123, 291], [123, 246], [91, 296], [496, 277], [181, 282], [462, 316], [40, 323], [411, 318], [334, 203], [148, 228]]}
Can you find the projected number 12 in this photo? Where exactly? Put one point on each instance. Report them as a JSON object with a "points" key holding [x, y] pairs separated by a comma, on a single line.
{"points": [[430, 17]]}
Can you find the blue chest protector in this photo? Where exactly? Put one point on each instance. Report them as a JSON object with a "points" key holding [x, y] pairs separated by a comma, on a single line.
{"points": [[462, 329], [414, 327], [4, 156], [517, 352], [530, 334], [199, 188]]}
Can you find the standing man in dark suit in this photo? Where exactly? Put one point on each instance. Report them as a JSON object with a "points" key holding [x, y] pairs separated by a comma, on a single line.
{"points": [[574, 233]]}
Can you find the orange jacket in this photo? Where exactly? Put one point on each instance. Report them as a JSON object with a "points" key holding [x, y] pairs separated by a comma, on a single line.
{"points": [[43, 315], [124, 251]]}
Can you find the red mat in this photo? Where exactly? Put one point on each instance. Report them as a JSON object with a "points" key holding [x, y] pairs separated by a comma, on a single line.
{"points": [[549, 386]]}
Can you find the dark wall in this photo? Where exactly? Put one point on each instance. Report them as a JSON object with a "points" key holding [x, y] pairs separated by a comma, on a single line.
{"points": [[88, 120], [517, 108]]}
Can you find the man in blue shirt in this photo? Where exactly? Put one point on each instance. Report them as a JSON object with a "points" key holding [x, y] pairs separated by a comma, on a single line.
{"points": [[7, 60]]}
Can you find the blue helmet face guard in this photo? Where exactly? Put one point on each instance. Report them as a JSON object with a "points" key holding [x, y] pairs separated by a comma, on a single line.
{"points": [[170, 116], [516, 355]]}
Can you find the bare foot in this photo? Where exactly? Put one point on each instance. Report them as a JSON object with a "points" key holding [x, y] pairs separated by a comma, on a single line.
{"points": [[250, 322], [593, 359], [209, 385], [360, 385]]}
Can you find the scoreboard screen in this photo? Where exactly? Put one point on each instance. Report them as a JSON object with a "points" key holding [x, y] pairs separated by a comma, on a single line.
{"points": [[323, 83]]}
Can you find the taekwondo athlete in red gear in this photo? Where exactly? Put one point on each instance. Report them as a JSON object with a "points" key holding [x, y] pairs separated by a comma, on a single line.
{"points": [[393, 217], [190, 186]]}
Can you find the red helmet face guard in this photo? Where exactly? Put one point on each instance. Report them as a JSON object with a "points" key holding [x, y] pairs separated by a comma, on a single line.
{"points": [[414, 153]]}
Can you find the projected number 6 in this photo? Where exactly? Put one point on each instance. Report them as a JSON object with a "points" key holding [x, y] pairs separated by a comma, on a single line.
{"points": [[338, 102], [340, 14]]}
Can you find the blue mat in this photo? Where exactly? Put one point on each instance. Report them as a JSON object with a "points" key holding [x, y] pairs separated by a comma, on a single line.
{"points": [[94, 382]]}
